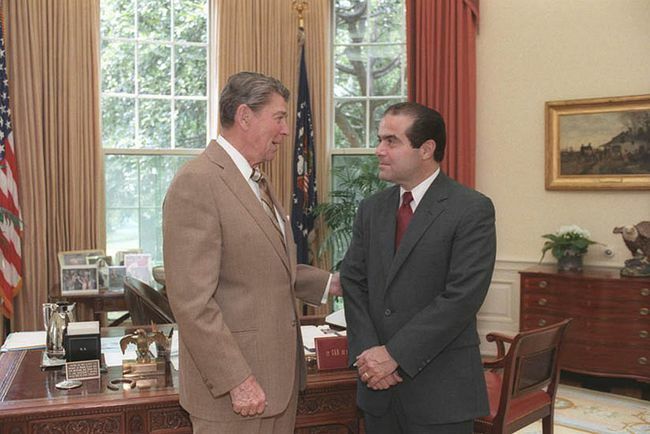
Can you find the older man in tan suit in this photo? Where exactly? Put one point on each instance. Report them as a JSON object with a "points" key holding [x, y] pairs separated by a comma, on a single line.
{"points": [[230, 265]]}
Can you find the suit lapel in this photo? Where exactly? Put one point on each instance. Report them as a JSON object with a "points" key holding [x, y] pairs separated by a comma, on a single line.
{"points": [[386, 223], [428, 210], [240, 189]]}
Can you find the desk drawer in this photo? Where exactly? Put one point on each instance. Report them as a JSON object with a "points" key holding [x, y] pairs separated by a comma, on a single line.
{"points": [[606, 359]]}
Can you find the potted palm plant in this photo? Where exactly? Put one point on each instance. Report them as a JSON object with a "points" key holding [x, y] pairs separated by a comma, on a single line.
{"points": [[353, 183]]}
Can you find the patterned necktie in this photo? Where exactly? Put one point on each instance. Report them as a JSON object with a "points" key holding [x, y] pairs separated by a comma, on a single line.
{"points": [[265, 197], [404, 215]]}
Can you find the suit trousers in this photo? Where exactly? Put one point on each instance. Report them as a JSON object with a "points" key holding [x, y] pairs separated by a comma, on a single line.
{"points": [[395, 421], [282, 423]]}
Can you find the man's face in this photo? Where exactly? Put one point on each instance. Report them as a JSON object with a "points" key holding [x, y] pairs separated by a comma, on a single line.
{"points": [[399, 162], [268, 127]]}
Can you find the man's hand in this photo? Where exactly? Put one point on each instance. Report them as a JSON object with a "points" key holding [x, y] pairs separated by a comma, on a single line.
{"points": [[384, 383], [248, 399], [377, 368], [335, 285]]}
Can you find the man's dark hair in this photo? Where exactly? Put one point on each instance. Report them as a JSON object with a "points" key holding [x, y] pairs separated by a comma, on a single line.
{"points": [[427, 124], [250, 88]]}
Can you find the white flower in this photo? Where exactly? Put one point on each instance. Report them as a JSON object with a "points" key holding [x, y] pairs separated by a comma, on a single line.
{"points": [[573, 230]]}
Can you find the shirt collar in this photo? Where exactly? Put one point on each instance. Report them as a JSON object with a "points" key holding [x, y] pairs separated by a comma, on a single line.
{"points": [[239, 160], [419, 190]]}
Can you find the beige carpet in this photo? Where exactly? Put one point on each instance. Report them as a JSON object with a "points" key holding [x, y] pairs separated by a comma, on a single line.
{"points": [[586, 411]]}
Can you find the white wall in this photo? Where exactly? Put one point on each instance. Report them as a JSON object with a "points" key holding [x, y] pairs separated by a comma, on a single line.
{"points": [[530, 52]]}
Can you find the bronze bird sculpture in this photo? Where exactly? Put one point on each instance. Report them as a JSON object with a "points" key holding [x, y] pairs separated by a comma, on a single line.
{"points": [[141, 339], [636, 238]]}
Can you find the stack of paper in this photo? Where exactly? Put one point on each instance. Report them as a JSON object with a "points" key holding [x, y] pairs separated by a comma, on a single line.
{"points": [[24, 341], [337, 318]]}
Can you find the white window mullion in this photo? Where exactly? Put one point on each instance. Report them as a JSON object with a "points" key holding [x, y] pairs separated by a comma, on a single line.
{"points": [[137, 77], [172, 38]]}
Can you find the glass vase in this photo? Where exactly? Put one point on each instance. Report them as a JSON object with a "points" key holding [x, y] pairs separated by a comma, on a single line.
{"points": [[570, 263]]}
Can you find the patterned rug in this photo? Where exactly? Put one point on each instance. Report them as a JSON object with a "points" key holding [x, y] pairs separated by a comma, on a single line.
{"points": [[586, 411]]}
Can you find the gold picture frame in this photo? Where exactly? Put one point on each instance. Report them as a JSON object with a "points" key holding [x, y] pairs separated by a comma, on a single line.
{"points": [[598, 144]]}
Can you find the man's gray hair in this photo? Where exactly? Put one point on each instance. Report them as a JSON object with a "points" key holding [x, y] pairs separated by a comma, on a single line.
{"points": [[250, 88]]}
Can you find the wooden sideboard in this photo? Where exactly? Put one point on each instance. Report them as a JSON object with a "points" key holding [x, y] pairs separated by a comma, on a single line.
{"points": [[610, 332], [29, 402]]}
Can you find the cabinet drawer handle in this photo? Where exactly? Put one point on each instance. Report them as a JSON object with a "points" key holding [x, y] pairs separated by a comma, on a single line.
{"points": [[643, 361], [542, 301], [543, 284], [643, 334], [644, 311], [541, 322], [645, 291]]}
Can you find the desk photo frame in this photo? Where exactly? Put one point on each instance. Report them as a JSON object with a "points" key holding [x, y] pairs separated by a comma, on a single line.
{"points": [[79, 280], [138, 265], [116, 275], [77, 257]]}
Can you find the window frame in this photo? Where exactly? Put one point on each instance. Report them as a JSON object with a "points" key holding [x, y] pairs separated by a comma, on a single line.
{"points": [[370, 142], [210, 98]]}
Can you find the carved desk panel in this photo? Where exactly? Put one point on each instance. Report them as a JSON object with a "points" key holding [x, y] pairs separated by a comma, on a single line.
{"points": [[30, 403]]}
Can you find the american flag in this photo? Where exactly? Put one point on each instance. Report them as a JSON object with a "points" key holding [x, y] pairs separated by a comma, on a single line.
{"points": [[304, 169], [11, 268]]}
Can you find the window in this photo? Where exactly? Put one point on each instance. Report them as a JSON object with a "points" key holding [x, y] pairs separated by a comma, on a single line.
{"points": [[369, 69], [369, 50], [155, 69]]}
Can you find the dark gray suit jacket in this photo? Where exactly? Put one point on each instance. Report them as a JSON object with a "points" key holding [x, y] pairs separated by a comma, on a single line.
{"points": [[421, 301]]}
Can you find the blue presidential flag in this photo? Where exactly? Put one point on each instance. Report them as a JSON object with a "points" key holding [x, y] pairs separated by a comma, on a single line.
{"points": [[304, 169]]}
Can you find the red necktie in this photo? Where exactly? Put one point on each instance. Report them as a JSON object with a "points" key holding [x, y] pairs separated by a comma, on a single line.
{"points": [[404, 215]]}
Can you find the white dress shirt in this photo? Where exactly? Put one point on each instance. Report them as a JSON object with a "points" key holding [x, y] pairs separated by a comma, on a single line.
{"points": [[418, 191], [246, 171]]}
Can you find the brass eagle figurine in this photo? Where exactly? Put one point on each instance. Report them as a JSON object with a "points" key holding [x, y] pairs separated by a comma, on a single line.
{"points": [[141, 339]]}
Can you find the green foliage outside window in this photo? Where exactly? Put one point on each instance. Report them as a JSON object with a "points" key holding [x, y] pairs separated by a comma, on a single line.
{"points": [[154, 65], [369, 70]]}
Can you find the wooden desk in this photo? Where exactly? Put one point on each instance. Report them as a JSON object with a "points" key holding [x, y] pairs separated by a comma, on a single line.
{"points": [[29, 402]]}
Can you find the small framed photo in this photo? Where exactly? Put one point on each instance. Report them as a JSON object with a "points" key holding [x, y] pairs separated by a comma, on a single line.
{"points": [[77, 257], [119, 255], [100, 260], [116, 275], [79, 279], [138, 265]]}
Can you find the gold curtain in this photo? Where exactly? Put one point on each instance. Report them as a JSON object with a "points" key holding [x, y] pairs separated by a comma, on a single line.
{"points": [[262, 36], [53, 66]]}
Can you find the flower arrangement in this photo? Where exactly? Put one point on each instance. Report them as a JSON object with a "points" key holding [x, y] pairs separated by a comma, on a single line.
{"points": [[569, 240]]}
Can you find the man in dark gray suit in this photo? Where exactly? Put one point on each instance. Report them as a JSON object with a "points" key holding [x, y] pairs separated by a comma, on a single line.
{"points": [[414, 277]]}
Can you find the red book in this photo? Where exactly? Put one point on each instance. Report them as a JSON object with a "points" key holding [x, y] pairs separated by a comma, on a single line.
{"points": [[331, 352]]}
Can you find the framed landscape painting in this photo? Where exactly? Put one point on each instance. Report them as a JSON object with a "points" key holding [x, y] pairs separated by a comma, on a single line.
{"points": [[598, 144]]}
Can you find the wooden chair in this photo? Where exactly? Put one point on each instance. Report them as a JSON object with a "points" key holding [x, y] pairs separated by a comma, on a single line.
{"points": [[146, 304], [522, 383]]}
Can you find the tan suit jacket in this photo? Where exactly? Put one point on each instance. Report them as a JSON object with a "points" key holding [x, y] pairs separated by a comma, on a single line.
{"points": [[232, 286]]}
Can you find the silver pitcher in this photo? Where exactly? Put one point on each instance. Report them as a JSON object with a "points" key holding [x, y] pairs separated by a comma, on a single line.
{"points": [[56, 317]]}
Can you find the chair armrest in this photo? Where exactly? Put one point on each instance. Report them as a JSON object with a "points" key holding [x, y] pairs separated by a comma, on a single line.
{"points": [[500, 339]]}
